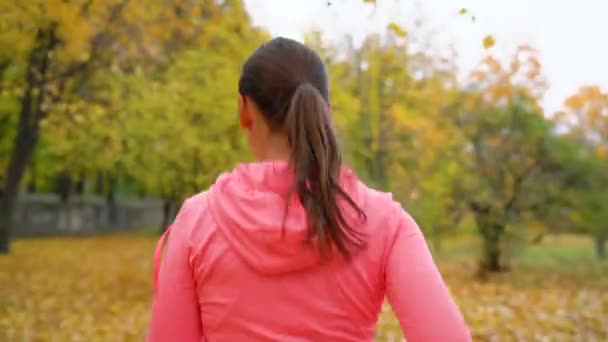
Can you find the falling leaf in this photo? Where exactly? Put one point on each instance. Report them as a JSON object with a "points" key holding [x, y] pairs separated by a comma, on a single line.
{"points": [[488, 41], [463, 11], [398, 30]]}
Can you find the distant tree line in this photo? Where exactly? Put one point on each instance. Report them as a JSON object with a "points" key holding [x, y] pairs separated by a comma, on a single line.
{"points": [[129, 99]]}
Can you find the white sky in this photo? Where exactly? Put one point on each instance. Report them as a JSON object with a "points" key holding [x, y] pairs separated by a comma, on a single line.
{"points": [[571, 36]]}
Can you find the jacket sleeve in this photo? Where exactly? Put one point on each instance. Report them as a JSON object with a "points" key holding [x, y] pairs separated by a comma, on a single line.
{"points": [[175, 310], [417, 292]]}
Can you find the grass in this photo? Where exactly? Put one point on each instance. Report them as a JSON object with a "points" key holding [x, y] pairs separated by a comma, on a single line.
{"points": [[555, 250], [99, 288]]}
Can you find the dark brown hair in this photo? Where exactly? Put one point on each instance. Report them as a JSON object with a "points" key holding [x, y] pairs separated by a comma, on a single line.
{"points": [[288, 82]]}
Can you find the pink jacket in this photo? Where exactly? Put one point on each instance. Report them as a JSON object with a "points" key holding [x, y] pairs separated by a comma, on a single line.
{"points": [[228, 273]]}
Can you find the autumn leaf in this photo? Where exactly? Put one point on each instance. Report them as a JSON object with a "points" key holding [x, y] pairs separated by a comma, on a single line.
{"points": [[398, 30], [463, 11], [488, 42], [105, 296]]}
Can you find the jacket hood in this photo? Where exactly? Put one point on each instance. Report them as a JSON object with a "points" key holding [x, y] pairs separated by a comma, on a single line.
{"points": [[249, 207]]}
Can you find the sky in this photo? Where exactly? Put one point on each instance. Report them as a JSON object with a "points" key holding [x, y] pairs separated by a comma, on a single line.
{"points": [[571, 37]]}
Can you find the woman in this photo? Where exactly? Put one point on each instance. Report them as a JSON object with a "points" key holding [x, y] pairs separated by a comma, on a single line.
{"points": [[293, 247]]}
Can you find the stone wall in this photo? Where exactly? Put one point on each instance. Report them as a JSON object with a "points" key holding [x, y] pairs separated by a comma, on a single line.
{"points": [[46, 215]]}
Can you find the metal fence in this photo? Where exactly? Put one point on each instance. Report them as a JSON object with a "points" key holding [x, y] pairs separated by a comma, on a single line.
{"points": [[46, 214]]}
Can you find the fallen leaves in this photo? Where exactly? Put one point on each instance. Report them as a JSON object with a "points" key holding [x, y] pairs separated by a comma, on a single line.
{"points": [[527, 305], [98, 289], [91, 289]]}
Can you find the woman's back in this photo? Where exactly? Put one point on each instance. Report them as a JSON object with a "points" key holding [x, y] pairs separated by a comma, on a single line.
{"points": [[236, 268], [295, 249]]}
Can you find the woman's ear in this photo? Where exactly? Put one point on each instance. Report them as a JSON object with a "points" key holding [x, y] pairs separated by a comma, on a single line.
{"points": [[244, 113]]}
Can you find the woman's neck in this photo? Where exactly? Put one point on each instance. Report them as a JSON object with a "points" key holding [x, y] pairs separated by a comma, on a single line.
{"points": [[277, 148]]}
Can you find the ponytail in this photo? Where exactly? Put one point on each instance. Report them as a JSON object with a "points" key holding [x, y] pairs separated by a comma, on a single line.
{"points": [[269, 77], [317, 163]]}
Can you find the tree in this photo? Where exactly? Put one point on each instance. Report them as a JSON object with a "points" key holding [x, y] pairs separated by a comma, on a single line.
{"points": [[63, 52], [511, 169], [182, 123], [387, 102], [382, 95], [55, 52], [585, 119]]}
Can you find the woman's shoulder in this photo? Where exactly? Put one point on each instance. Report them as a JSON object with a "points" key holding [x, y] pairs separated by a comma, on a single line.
{"points": [[187, 218], [376, 201], [386, 217], [195, 201]]}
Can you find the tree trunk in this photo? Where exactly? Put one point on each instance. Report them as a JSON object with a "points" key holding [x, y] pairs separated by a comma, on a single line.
{"points": [[363, 130], [600, 244], [166, 215], [64, 187], [111, 202], [32, 184], [79, 186], [492, 260], [381, 154], [99, 183], [169, 211], [28, 128], [492, 250], [23, 146]]}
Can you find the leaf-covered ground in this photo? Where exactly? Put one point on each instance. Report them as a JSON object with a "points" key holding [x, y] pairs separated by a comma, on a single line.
{"points": [[99, 288]]}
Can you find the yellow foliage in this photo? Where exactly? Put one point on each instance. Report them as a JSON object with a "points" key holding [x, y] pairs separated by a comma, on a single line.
{"points": [[398, 30], [488, 41], [99, 289], [574, 102], [585, 113]]}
